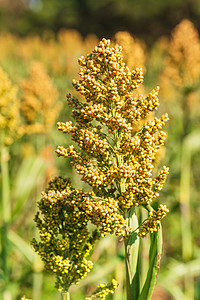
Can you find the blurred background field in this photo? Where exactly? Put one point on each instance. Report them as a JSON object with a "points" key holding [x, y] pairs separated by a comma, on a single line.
{"points": [[40, 42]]}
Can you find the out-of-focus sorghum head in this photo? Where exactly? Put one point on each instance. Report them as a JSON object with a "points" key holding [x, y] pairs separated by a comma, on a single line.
{"points": [[10, 122], [39, 106], [133, 50], [182, 63]]}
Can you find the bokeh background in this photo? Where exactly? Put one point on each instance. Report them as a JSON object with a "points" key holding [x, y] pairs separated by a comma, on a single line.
{"points": [[40, 42]]}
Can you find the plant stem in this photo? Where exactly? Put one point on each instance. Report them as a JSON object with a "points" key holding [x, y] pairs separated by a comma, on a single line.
{"points": [[66, 295], [154, 264], [131, 243], [37, 285], [185, 205], [5, 215], [131, 258], [144, 255], [185, 210]]}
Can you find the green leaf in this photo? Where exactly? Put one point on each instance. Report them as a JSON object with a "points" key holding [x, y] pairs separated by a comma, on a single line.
{"points": [[131, 258], [25, 249], [29, 174], [154, 264]]}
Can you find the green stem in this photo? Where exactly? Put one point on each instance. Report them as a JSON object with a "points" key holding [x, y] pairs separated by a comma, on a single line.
{"points": [[186, 116], [154, 264], [6, 207], [187, 249], [185, 210], [6, 213], [131, 243], [131, 258], [66, 295], [144, 255], [37, 285]]}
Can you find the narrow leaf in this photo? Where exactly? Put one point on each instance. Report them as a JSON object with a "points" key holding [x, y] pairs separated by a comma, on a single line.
{"points": [[154, 264]]}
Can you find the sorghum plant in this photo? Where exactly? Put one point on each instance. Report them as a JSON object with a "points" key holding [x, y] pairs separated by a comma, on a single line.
{"points": [[115, 154]]}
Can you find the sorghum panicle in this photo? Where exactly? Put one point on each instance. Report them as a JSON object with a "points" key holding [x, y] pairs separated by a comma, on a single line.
{"points": [[65, 239], [103, 290], [111, 148], [133, 50], [115, 154]]}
